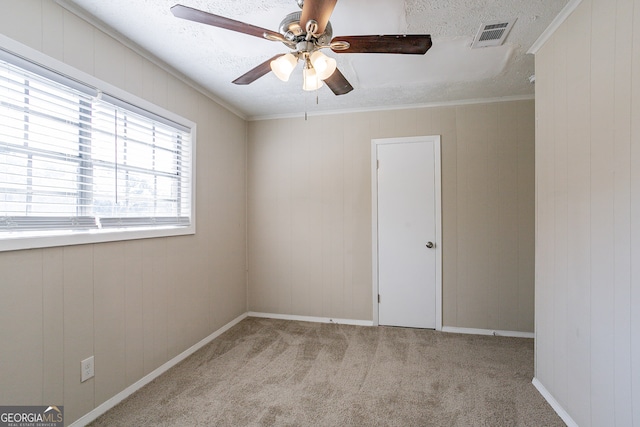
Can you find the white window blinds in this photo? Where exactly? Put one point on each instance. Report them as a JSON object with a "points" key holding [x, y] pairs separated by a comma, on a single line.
{"points": [[72, 158]]}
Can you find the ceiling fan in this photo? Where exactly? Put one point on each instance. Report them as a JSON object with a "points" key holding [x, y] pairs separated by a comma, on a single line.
{"points": [[306, 33]]}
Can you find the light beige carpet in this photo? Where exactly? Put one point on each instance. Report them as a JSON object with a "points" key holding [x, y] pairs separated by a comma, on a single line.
{"points": [[265, 372]]}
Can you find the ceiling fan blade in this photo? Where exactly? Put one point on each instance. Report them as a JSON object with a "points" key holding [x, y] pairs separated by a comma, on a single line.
{"points": [[318, 10], [255, 73], [412, 44], [338, 83], [190, 14]]}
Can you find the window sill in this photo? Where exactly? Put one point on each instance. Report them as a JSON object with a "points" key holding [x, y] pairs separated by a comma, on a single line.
{"points": [[22, 241]]}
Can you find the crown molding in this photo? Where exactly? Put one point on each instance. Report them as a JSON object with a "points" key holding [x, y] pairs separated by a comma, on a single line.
{"points": [[555, 24], [457, 103]]}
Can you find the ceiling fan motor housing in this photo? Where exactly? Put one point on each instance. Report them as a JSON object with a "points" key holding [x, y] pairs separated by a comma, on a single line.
{"points": [[290, 28]]}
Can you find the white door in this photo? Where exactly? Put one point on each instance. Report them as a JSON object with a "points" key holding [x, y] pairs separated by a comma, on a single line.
{"points": [[406, 232]]}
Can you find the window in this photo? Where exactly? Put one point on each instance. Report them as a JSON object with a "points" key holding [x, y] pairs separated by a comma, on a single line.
{"points": [[76, 160]]}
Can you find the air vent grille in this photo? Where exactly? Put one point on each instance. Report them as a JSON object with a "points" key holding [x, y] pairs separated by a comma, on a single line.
{"points": [[492, 33]]}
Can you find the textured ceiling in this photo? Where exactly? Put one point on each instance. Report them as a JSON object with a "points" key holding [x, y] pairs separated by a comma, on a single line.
{"points": [[451, 71]]}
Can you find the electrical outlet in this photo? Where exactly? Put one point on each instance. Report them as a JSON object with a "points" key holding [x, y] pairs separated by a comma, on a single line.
{"points": [[86, 369]]}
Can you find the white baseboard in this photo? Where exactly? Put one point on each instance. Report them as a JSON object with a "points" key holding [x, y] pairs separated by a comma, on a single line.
{"points": [[104, 407], [554, 403], [495, 332], [311, 319]]}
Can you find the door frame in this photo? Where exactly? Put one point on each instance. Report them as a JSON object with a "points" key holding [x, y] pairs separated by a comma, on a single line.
{"points": [[435, 139]]}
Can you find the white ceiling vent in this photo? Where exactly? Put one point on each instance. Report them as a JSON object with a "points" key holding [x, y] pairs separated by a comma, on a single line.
{"points": [[492, 33]]}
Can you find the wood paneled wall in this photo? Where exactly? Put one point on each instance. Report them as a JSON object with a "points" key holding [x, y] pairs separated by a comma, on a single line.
{"points": [[136, 304], [309, 207], [588, 214]]}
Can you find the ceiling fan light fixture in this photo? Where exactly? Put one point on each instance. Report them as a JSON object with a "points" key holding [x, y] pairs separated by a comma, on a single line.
{"points": [[324, 65], [310, 79], [283, 66]]}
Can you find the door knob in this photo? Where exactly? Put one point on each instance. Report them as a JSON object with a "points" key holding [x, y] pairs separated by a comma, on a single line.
{"points": [[430, 245]]}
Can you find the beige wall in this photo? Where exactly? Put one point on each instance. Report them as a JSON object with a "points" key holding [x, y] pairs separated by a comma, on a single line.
{"points": [[309, 212], [588, 214], [137, 304]]}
